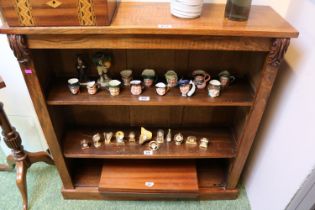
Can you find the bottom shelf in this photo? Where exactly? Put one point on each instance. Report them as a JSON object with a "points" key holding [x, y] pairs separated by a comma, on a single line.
{"points": [[210, 174]]}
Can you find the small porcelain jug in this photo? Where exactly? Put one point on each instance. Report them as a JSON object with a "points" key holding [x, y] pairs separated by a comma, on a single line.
{"points": [[187, 87], [201, 78]]}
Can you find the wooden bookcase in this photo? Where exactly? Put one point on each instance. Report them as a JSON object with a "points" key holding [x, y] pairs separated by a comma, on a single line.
{"points": [[145, 35]]}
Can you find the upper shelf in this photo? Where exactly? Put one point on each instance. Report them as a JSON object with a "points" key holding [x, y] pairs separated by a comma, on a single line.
{"points": [[239, 94], [155, 18]]}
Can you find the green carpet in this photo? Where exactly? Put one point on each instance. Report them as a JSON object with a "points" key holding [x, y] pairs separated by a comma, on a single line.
{"points": [[44, 187]]}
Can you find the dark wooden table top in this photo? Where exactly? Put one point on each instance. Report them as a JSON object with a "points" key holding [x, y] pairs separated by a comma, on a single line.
{"points": [[155, 18]]}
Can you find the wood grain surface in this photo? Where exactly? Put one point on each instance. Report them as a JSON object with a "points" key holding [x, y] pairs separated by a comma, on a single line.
{"points": [[239, 94], [136, 175], [221, 145], [155, 18]]}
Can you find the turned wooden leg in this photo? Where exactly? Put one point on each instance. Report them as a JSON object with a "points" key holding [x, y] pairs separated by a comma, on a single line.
{"points": [[21, 170], [22, 158]]}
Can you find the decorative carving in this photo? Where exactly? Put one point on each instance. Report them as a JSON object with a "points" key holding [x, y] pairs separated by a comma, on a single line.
{"points": [[86, 13], [54, 3], [24, 10], [278, 49], [20, 49]]}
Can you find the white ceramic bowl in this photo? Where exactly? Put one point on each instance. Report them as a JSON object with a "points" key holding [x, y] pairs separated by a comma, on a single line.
{"points": [[186, 8]]}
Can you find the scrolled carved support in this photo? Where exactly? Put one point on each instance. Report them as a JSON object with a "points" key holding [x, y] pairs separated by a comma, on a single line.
{"points": [[18, 44], [278, 49]]}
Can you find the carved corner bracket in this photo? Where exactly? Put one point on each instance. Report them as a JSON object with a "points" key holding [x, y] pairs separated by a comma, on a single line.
{"points": [[18, 44], [278, 49]]}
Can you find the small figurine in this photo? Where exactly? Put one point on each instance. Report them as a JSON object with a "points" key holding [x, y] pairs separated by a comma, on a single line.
{"points": [[171, 78], [154, 145], [187, 87], [82, 70], [204, 143], [201, 78], [108, 137], [114, 87], [148, 76], [160, 136], [126, 76], [91, 87], [191, 140], [120, 137], [97, 140], [136, 87], [214, 88], [103, 62], [74, 86], [161, 88], [226, 78], [132, 137], [85, 144], [169, 136], [178, 138], [145, 136]]}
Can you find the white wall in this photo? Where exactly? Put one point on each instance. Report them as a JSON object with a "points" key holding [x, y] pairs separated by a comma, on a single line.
{"points": [[17, 102], [284, 152]]}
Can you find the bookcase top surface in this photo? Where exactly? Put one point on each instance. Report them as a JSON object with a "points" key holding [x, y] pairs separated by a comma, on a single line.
{"points": [[139, 18]]}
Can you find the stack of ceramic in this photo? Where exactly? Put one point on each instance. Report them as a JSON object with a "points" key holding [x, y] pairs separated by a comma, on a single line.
{"points": [[186, 8]]}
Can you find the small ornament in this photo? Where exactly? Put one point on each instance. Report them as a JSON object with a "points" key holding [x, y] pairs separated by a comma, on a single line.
{"points": [[120, 137], [226, 78], [85, 144], [74, 85], [103, 62], [204, 143], [132, 137], [82, 69], [178, 138], [108, 137], [97, 140], [160, 136], [145, 136], [169, 136], [187, 87], [91, 87], [154, 145], [148, 76], [114, 87], [201, 78], [126, 76], [214, 88], [171, 78], [191, 140]]}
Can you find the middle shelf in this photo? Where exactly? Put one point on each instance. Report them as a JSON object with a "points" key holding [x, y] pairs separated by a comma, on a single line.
{"points": [[221, 145], [239, 94]]}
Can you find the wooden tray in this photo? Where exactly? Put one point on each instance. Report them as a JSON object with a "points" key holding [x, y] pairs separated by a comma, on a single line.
{"points": [[154, 176]]}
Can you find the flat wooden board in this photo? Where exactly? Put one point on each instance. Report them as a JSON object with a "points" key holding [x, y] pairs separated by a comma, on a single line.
{"points": [[155, 18], [221, 145], [239, 94], [149, 176]]}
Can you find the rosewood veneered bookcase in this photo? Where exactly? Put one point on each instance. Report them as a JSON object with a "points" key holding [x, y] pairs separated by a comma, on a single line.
{"points": [[145, 35]]}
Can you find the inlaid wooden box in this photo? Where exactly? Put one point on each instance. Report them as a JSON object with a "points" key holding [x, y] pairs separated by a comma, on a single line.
{"points": [[58, 12]]}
